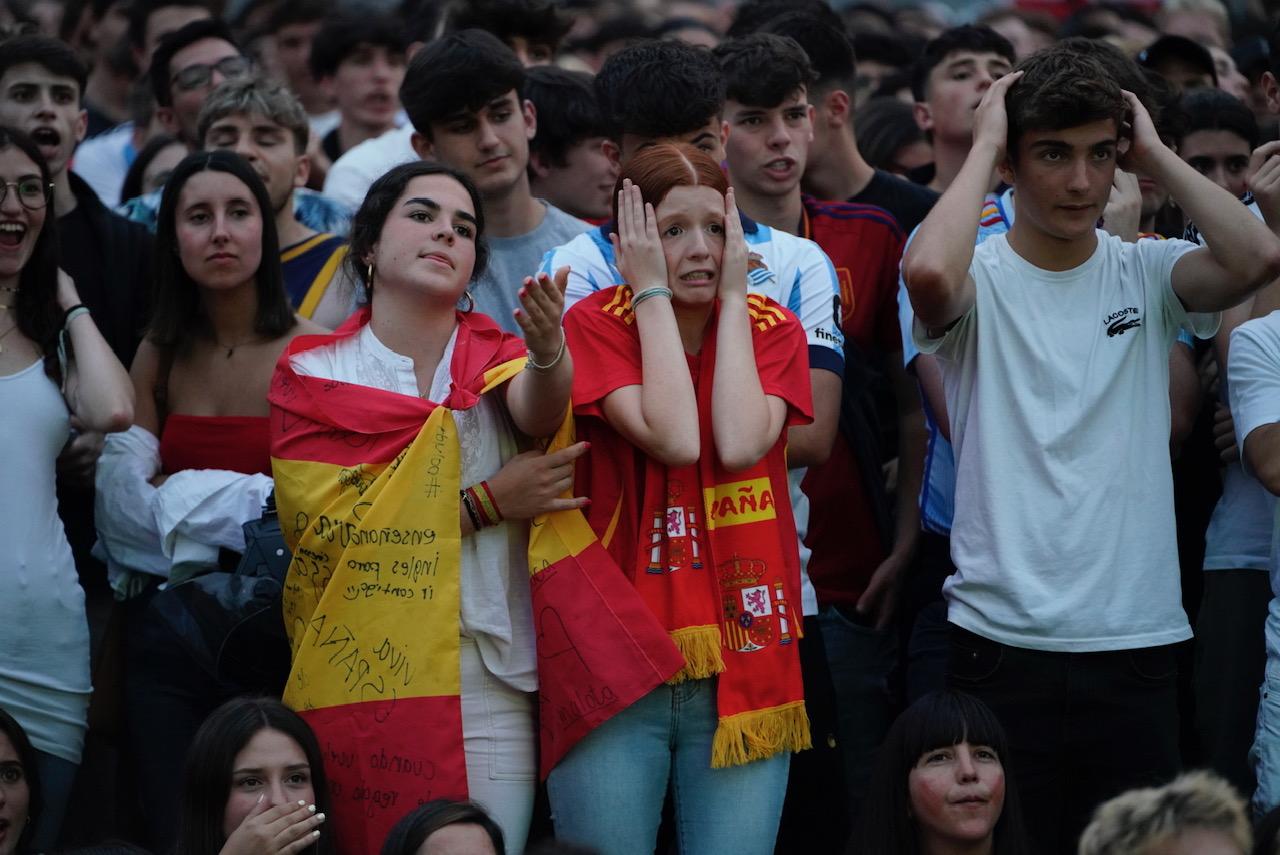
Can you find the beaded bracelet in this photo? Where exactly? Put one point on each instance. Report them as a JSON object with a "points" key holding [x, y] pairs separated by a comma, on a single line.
{"points": [[542, 369], [655, 291]]}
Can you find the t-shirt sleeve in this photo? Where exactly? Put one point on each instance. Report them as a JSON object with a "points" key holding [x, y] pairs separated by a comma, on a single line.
{"points": [[588, 270], [906, 314], [606, 353], [1159, 257], [1253, 375], [783, 365], [815, 301]]}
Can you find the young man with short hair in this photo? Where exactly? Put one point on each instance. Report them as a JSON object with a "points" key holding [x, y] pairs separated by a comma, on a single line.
{"points": [[151, 20], [948, 81], [835, 168], [1053, 341], [293, 26], [266, 125], [195, 60], [567, 163], [463, 94], [854, 561], [668, 91], [359, 62]]}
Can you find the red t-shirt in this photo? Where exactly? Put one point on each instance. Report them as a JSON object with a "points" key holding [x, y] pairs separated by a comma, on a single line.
{"points": [[865, 245], [605, 344]]}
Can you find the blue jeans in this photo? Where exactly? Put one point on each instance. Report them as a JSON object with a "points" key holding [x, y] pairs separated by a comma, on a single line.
{"points": [[861, 659], [607, 792]]}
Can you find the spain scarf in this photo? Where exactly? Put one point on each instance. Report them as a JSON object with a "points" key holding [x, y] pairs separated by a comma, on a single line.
{"points": [[367, 484], [712, 553]]}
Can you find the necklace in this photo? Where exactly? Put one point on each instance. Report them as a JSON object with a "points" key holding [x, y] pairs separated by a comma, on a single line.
{"points": [[231, 348]]}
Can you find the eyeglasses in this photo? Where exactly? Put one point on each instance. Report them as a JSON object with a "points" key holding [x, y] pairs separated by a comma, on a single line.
{"points": [[33, 194], [195, 76]]}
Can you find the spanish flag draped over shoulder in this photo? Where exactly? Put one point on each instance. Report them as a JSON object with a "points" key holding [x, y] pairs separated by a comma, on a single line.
{"points": [[367, 485]]}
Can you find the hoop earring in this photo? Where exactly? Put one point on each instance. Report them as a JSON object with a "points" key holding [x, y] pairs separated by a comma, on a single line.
{"points": [[471, 302], [369, 274]]}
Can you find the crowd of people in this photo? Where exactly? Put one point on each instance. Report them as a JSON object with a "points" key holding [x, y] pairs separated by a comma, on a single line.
{"points": [[475, 427]]}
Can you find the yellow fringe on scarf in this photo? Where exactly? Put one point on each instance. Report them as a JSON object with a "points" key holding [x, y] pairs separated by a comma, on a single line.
{"points": [[759, 734], [700, 646]]}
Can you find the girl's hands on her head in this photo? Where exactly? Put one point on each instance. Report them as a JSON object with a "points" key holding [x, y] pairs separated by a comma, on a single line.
{"points": [[280, 830], [541, 308], [637, 246], [733, 264]]}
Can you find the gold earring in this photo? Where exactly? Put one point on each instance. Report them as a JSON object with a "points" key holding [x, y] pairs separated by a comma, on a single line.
{"points": [[369, 280]]}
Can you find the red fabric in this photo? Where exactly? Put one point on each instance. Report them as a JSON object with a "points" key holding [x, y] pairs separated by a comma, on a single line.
{"points": [[235, 443], [707, 549], [376, 424], [865, 246]]}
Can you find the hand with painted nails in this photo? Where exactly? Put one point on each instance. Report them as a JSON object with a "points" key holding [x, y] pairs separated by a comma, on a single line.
{"points": [[280, 830], [541, 308]]}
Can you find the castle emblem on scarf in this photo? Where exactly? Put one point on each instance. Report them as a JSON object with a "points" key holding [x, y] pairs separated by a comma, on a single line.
{"points": [[755, 615], [674, 532]]}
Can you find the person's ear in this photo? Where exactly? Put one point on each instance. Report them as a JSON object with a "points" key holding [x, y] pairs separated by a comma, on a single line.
{"points": [[836, 108], [538, 167], [724, 133], [82, 125], [422, 146], [1006, 170], [612, 151], [813, 115], [530, 114], [1271, 91], [302, 170], [923, 116], [168, 120]]}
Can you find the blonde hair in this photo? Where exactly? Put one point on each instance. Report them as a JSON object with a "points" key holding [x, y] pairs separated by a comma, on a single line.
{"points": [[1133, 822]]}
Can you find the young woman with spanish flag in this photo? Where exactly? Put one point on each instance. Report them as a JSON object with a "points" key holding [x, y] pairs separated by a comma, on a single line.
{"points": [[402, 492], [685, 387]]}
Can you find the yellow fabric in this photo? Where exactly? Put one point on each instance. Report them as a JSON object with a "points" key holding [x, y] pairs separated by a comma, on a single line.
{"points": [[394, 545], [321, 283]]}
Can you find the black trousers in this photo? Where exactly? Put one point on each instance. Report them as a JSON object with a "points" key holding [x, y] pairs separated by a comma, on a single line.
{"points": [[1082, 727]]}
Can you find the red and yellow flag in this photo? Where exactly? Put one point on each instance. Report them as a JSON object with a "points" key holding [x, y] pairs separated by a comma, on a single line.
{"points": [[367, 484]]}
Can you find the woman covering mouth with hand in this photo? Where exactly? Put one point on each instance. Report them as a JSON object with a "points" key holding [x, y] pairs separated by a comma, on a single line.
{"points": [[940, 785]]}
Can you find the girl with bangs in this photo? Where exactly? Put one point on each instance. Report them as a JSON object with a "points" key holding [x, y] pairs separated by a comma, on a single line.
{"points": [[685, 387], [940, 784]]}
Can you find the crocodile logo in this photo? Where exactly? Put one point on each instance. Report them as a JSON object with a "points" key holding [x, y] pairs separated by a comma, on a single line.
{"points": [[1122, 320]]}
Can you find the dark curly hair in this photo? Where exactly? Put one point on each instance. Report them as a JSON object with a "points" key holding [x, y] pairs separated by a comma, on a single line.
{"points": [[366, 226], [762, 69], [1061, 88], [659, 89]]}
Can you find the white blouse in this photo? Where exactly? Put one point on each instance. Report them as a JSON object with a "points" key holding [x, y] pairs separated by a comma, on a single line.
{"points": [[496, 608]]}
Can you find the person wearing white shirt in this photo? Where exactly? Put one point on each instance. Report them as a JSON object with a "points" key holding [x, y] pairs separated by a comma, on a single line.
{"points": [[1053, 341]]}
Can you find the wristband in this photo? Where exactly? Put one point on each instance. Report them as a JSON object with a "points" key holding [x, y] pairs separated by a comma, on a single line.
{"points": [[479, 498], [471, 511], [655, 291], [532, 363], [74, 312]]}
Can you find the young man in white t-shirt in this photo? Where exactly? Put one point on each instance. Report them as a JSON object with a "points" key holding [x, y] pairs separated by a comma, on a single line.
{"points": [[1053, 342]]}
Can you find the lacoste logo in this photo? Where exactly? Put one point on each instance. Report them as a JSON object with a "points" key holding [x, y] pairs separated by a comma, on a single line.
{"points": [[1121, 320]]}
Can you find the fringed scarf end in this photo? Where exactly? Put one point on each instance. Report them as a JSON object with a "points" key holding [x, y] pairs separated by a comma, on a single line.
{"points": [[700, 646], [759, 734]]}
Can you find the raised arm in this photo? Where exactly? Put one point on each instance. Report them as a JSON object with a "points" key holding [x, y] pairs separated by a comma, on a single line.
{"points": [[660, 416], [1240, 253], [99, 391], [745, 422], [936, 265], [538, 396]]}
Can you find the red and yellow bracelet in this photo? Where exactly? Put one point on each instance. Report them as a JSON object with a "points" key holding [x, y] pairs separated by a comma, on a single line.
{"points": [[480, 500]]}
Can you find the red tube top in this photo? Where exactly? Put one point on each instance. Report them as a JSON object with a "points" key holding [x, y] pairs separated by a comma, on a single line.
{"points": [[237, 443]]}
